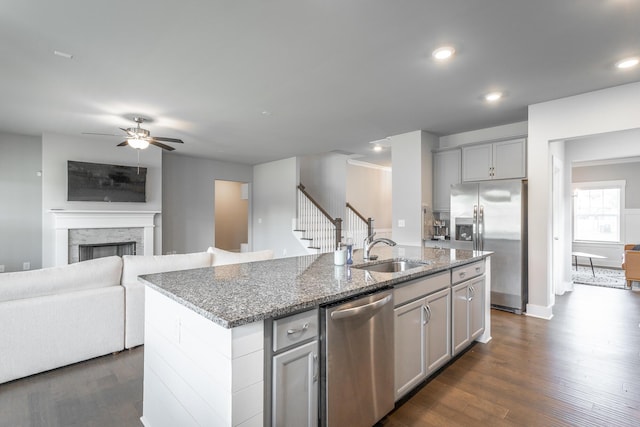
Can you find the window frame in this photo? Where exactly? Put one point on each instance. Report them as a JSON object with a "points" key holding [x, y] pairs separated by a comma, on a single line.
{"points": [[599, 185]]}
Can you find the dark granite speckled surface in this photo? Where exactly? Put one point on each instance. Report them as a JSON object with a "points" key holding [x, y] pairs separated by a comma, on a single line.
{"points": [[234, 295]]}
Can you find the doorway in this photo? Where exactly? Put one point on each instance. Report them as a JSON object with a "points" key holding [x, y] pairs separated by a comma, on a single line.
{"points": [[231, 215]]}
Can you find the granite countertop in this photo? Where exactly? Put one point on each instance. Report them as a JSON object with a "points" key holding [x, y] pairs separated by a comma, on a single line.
{"points": [[234, 295]]}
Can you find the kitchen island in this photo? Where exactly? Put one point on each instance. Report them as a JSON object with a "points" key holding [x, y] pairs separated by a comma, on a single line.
{"points": [[205, 346]]}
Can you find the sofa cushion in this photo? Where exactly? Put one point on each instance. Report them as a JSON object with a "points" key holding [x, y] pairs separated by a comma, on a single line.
{"points": [[95, 273], [136, 265], [222, 257]]}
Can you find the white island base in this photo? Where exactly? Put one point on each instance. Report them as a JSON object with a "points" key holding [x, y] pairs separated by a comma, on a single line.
{"points": [[197, 373]]}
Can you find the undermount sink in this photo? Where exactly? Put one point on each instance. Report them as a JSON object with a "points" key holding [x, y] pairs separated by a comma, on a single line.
{"points": [[391, 266]]}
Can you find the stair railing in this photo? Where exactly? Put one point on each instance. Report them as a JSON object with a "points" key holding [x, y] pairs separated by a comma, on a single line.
{"points": [[357, 227], [319, 227]]}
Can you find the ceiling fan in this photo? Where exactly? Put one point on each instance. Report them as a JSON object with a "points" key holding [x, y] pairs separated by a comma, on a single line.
{"points": [[139, 138]]}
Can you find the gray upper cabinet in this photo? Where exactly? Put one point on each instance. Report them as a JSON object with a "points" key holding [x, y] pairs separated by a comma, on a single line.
{"points": [[446, 172], [496, 160]]}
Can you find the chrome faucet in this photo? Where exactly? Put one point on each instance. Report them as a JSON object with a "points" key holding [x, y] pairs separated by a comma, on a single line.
{"points": [[370, 242]]}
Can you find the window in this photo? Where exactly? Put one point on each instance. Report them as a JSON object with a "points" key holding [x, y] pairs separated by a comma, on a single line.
{"points": [[597, 211]]}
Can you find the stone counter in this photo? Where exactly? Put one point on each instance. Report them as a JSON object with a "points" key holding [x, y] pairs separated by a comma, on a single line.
{"points": [[235, 295]]}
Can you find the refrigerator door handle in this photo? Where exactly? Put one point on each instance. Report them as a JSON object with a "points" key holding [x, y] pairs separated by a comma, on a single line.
{"points": [[481, 229], [475, 228]]}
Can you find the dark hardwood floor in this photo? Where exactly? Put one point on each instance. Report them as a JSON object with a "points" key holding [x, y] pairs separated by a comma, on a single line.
{"points": [[582, 368], [106, 391]]}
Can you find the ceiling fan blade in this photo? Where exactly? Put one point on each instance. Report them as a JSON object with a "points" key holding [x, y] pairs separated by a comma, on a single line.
{"points": [[160, 144], [104, 134], [162, 138], [127, 131], [123, 143]]}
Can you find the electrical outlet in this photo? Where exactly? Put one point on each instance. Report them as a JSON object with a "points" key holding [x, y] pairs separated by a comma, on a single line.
{"points": [[1, 268], [401, 223], [26, 265]]}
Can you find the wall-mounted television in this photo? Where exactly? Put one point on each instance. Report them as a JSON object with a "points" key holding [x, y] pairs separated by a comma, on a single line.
{"points": [[97, 182]]}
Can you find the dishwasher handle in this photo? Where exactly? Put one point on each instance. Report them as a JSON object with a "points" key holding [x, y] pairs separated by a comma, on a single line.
{"points": [[355, 311]]}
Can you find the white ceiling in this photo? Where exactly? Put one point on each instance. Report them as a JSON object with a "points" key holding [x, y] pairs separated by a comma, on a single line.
{"points": [[332, 75]]}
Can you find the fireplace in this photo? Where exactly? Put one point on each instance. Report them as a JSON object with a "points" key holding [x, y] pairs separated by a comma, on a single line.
{"points": [[84, 227], [101, 250]]}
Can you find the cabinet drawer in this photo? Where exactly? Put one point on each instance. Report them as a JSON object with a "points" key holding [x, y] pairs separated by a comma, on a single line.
{"points": [[420, 287], [466, 272], [294, 329]]}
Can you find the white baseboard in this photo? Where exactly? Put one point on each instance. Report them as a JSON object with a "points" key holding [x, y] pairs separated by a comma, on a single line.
{"points": [[540, 311], [484, 338]]}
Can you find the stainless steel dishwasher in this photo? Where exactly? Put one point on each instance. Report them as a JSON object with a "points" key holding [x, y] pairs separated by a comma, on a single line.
{"points": [[357, 375]]}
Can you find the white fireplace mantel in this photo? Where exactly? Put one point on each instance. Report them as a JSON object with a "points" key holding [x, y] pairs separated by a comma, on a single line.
{"points": [[64, 220]]}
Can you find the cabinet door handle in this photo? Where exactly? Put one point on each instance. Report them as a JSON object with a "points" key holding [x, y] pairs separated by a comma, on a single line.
{"points": [[297, 331], [315, 367], [470, 293], [427, 310]]}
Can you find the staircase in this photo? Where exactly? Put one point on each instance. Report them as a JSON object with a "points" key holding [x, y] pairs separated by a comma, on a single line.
{"points": [[357, 227], [315, 228]]}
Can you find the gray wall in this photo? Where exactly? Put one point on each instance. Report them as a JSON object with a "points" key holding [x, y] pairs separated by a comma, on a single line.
{"points": [[274, 207], [188, 200], [21, 195], [325, 178], [630, 172], [57, 149], [369, 191]]}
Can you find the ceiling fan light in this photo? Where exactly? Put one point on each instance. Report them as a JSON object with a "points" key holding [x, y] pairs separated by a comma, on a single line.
{"points": [[139, 144]]}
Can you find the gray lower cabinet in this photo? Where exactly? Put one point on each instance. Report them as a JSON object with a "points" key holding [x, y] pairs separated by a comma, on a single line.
{"points": [[422, 345], [294, 371], [438, 330], [467, 313], [476, 307], [295, 386]]}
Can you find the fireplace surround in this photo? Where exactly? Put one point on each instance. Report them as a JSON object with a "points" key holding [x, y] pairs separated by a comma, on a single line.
{"points": [[65, 220]]}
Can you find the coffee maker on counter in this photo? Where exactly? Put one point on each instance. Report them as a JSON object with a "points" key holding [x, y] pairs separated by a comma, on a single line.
{"points": [[440, 230]]}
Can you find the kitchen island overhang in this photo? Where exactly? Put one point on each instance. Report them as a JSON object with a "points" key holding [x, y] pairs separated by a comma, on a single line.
{"points": [[204, 328]]}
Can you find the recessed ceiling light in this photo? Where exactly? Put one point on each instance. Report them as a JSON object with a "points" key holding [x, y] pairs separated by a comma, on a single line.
{"points": [[377, 148], [382, 143], [493, 96], [266, 113], [443, 53], [628, 63]]}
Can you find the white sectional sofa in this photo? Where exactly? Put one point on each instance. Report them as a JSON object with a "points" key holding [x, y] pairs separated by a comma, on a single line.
{"points": [[135, 266], [62, 315], [57, 316]]}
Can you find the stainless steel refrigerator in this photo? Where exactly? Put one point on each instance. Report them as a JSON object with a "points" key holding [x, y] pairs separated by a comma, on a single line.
{"points": [[492, 216]]}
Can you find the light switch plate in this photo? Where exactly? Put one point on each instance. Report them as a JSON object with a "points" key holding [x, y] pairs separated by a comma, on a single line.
{"points": [[401, 223]]}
